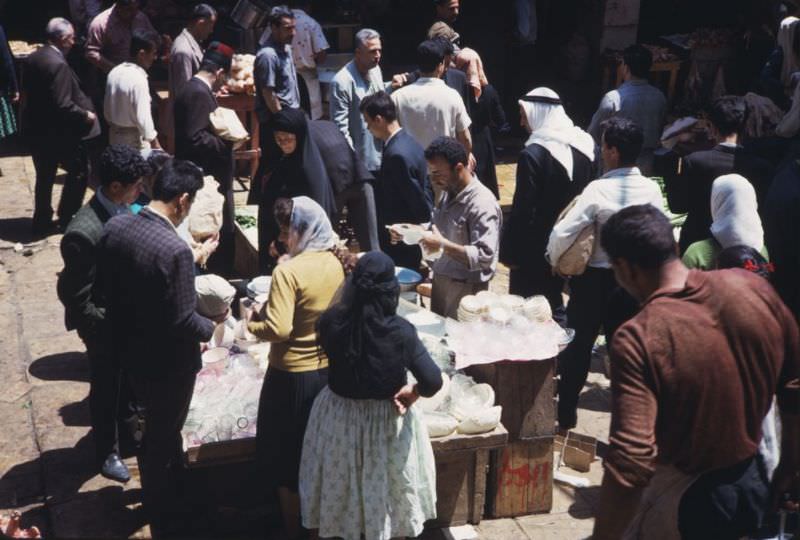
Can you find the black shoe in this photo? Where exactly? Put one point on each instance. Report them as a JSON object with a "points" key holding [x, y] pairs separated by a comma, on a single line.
{"points": [[114, 469]]}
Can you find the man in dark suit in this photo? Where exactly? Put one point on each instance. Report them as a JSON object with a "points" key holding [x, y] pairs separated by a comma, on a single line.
{"points": [[196, 140], [121, 172], [350, 180], [146, 273], [689, 191], [56, 119], [404, 192]]}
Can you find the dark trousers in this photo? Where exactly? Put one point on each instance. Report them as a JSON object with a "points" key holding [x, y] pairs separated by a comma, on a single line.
{"points": [[726, 503], [359, 199], [533, 279], [586, 313], [166, 405], [105, 405], [47, 155]]}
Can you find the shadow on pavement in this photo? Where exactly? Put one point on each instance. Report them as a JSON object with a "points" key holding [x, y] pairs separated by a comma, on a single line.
{"points": [[68, 366]]}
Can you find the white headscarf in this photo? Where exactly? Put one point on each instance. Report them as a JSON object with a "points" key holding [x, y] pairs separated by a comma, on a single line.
{"points": [[786, 36], [552, 128], [734, 210], [311, 225]]}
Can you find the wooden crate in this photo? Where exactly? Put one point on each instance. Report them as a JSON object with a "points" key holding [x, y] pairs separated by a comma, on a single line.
{"points": [[520, 479], [526, 391], [462, 463]]}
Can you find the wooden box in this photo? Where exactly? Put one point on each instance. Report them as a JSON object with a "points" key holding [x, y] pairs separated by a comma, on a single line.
{"points": [[462, 463], [526, 391], [520, 479]]}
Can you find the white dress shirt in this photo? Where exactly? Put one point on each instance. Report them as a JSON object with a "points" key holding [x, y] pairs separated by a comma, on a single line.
{"points": [[127, 102], [599, 200], [429, 109]]}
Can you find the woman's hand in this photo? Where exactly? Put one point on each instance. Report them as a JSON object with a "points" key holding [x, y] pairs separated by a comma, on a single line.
{"points": [[405, 398]]}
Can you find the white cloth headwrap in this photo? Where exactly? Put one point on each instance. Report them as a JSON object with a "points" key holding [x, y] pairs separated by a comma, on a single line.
{"points": [[552, 128], [786, 36], [311, 225], [734, 211]]}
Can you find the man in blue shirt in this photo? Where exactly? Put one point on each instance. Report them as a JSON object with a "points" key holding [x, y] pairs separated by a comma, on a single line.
{"points": [[635, 100], [358, 79]]}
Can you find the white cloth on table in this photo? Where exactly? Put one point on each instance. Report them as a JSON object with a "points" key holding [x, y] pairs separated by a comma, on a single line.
{"points": [[734, 211], [365, 470], [127, 101], [429, 109]]}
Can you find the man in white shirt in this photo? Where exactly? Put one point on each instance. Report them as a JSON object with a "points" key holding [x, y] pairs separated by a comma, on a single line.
{"points": [[622, 186], [309, 49], [428, 108], [127, 104]]}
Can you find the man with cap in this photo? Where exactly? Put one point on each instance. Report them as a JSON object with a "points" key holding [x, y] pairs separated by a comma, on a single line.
{"points": [[196, 140]]}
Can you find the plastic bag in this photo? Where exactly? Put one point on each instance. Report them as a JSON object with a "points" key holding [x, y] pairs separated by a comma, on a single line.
{"points": [[467, 397], [205, 216], [440, 424], [480, 421]]}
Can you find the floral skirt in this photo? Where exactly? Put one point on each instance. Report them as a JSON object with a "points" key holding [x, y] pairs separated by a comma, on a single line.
{"points": [[8, 122], [365, 470]]}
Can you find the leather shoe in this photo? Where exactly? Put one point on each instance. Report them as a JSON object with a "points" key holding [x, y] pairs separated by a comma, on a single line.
{"points": [[114, 469]]}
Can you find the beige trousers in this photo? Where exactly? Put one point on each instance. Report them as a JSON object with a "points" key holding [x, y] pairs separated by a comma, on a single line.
{"points": [[447, 293]]}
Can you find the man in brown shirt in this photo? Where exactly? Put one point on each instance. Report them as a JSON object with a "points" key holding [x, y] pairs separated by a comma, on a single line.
{"points": [[692, 376]]}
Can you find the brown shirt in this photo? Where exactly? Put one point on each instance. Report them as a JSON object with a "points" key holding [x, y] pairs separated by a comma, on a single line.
{"points": [[693, 375]]}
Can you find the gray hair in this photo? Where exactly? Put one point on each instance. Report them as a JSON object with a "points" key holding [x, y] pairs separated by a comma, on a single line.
{"points": [[364, 35], [57, 28]]}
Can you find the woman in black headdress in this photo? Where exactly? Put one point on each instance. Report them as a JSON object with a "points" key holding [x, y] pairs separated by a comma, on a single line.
{"points": [[300, 171], [367, 467]]}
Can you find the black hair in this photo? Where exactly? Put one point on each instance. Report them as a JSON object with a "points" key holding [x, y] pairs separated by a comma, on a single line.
{"points": [[448, 148], [639, 59], [744, 257], [640, 234], [445, 44], [278, 13], [624, 135], [144, 40], [728, 114], [429, 55], [202, 11], [175, 178], [379, 104], [123, 164], [282, 210]]}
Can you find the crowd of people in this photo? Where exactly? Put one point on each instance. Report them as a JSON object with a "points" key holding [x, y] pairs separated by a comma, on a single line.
{"points": [[702, 329]]}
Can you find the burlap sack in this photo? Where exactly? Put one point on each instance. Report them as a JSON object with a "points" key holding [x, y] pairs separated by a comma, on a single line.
{"points": [[205, 216], [574, 260]]}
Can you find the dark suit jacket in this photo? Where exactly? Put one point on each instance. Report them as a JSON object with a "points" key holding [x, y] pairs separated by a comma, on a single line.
{"points": [[82, 309], [146, 272], [195, 138], [343, 166], [54, 105], [543, 190], [782, 233], [690, 191], [404, 192]]}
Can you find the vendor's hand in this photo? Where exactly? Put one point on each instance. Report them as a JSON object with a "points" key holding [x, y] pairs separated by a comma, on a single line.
{"points": [[405, 398], [394, 236], [432, 241], [273, 250], [14, 97], [399, 80], [786, 488], [90, 117], [211, 244], [472, 163]]}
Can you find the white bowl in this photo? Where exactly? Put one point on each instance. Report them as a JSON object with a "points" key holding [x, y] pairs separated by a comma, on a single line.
{"points": [[214, 355], [259, 285]]}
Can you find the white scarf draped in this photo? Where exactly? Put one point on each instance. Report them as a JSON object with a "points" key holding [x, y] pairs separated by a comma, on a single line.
{"points": [[552, 129], [734, 210]]}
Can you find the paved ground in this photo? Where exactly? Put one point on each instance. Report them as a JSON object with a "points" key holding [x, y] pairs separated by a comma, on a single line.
{"points": [[46, 452]]}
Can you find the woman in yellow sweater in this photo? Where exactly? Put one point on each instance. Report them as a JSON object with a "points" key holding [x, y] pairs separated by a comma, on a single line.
{"points": [[302, 288]]}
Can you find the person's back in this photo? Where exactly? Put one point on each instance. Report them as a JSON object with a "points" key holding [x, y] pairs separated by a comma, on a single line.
{"points": [[715, 350], [429, 109]]}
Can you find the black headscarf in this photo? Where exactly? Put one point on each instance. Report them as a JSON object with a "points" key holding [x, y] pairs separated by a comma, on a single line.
{"points": [[303, 172], [360, 326]]}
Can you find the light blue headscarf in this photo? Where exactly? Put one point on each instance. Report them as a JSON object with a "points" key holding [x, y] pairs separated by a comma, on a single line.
{"points": [[311, 225]]}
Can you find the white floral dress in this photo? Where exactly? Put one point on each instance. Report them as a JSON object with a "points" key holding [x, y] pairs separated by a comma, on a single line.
{"points": [[365, 470]]}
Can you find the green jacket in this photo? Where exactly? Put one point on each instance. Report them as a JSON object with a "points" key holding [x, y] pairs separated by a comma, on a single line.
{"points": [[83, 311]]}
